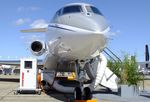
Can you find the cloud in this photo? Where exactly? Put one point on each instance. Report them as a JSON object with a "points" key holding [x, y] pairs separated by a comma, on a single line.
{"points": [[32, 8], [40, 23], [114, 33], [22, 21]]}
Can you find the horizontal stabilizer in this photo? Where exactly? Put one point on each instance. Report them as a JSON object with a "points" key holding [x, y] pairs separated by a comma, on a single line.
{"points": [[34, 30]]}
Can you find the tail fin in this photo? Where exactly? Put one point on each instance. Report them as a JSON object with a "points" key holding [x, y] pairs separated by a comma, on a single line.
{"points": [[146, 55]]}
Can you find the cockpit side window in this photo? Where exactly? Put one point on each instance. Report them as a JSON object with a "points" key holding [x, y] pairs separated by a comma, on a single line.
{"points": [[72, 9], [93, 9], [58, 13]]}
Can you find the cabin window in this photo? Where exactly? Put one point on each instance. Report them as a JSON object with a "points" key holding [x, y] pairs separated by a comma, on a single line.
{"points": [[92, 9], [72, 9]]}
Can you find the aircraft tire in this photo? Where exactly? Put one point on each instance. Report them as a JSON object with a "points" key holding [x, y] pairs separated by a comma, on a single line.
{"points": [[77, 93], [87, 93]]}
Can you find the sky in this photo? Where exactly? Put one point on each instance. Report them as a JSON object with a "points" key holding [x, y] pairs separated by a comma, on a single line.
{"points": [[129, 21]]}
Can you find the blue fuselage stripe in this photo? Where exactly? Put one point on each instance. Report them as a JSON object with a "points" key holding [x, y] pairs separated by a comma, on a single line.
{"points": [[61, 28]]}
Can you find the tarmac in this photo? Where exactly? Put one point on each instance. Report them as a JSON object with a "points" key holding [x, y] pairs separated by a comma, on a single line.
{"points": [[7, 89]]}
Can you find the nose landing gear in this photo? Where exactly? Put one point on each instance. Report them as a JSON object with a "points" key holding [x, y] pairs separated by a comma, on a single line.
{"points": [[81, 92]]}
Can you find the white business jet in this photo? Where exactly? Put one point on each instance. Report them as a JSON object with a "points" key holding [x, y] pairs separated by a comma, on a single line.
{"points": [[74, 41]]}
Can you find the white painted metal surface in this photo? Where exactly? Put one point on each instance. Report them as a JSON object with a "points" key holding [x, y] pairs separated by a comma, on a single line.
{"points": [[102, 75], [28, 74]]}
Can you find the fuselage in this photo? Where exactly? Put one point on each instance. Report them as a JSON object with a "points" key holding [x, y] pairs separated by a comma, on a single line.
{"points": [[77, 31]]}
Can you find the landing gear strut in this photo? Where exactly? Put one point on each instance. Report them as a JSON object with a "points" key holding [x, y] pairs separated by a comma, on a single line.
{"points": [[81, 93]]}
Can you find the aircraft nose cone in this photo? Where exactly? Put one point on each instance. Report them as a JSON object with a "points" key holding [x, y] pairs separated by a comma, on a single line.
{"points": [[97, 23], [100, 24]]}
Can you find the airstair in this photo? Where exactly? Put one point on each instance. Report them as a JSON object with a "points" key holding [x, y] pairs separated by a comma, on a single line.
{"points": [[104, 76]]}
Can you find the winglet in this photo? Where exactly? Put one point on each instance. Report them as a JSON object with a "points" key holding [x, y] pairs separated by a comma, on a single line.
{"points": [[34, 30]]}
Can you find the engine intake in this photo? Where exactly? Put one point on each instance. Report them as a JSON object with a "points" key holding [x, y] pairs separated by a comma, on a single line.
{"points": [[38, 48]]}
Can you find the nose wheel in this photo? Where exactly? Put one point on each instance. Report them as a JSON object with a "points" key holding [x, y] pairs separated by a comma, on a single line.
{"points": [[86, 94], [77, 93]]}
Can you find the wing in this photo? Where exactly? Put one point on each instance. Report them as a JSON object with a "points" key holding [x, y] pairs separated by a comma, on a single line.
{"points": [[35, 30]]}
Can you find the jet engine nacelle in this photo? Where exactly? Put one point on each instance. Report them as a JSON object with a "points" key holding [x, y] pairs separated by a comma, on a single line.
{"points": [[38, 47]]}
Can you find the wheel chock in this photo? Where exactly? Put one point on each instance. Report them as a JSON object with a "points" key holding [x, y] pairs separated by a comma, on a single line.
{"points": [[85, 101]]}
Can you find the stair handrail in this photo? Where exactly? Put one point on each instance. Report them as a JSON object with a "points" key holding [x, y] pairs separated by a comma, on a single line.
{"points": [[112, 57]]}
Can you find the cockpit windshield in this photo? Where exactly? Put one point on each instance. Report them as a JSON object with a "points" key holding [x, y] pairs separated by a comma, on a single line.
{"points": [[92, 9], [72, 9]]}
